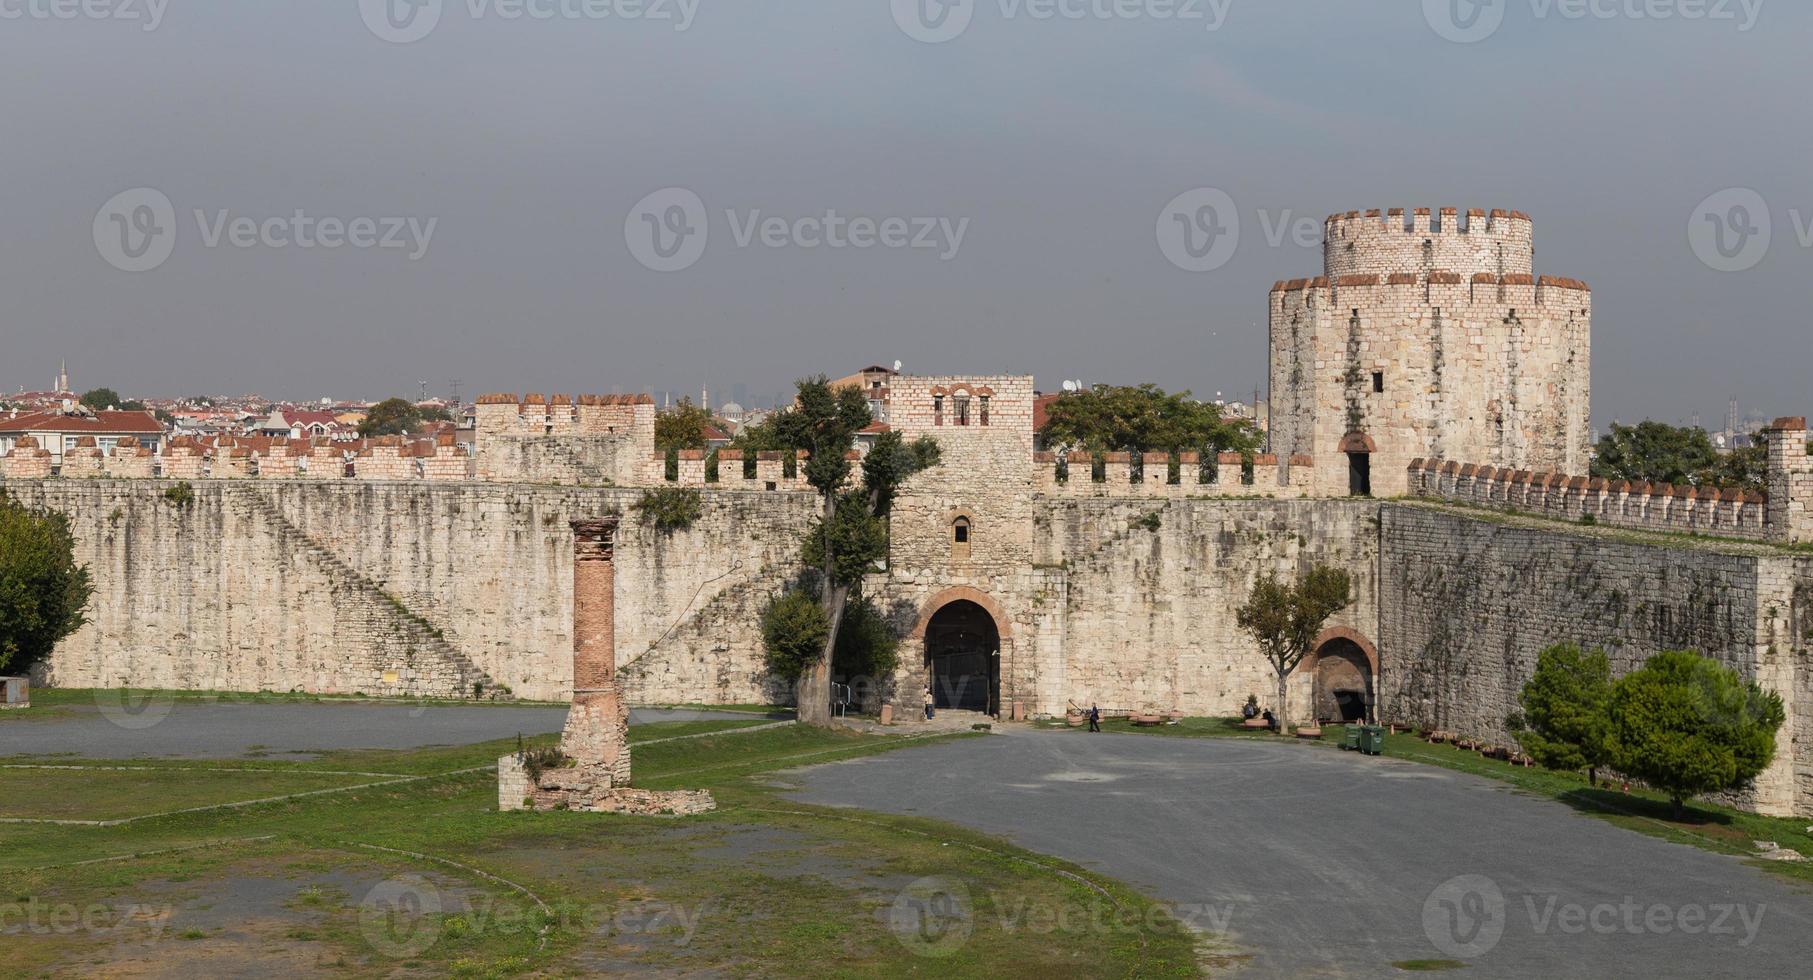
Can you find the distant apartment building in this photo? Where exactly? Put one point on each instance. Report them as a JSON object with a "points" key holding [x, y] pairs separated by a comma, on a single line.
{"points": [[60, 430]]}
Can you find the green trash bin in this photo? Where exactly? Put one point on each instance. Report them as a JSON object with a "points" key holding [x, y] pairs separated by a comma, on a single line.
{"points": [[1351, 738], [1372, 739]]}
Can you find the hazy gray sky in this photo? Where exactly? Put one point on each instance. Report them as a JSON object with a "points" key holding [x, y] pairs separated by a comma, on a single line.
{"points": [[1050, 143]]}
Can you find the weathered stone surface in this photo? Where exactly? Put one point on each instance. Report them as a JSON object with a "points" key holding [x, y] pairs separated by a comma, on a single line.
{"points": [[337, 587], [1433, 342], [1469, 602]]}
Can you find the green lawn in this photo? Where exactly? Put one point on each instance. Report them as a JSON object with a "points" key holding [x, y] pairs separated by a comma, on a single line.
{"points": [[112, 794], [762, 887]]}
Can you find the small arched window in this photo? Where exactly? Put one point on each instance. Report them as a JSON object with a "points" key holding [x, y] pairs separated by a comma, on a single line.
{"points": [[960, 538]]}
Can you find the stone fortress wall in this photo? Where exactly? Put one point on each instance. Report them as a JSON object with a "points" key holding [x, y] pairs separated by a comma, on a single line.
{"points": [[409, 588], [1470, 599], [414, 568], [1428, 337]]}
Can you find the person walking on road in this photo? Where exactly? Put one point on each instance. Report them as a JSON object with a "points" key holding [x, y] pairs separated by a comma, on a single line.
{"points": [[1095, 718]]}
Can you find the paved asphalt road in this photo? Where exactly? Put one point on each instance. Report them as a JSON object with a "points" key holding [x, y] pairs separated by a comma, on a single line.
{"points": [[1332, 864], [225, 729]]}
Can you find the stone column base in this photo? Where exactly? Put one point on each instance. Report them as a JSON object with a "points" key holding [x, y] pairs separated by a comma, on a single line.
{"points": [[589, 789]]}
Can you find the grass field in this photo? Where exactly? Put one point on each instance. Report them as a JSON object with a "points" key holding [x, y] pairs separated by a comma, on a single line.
{"points": [[115, 793], [426, 878]]}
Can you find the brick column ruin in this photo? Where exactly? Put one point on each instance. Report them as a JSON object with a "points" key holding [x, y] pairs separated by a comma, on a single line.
{"points": [[595, 741], [597, 725]]}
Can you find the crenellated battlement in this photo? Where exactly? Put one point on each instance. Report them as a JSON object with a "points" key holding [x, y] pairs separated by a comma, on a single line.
{"points": [[1081, 474], [1616, 503], [1783, 516], [1379, 241], [250, 458]]}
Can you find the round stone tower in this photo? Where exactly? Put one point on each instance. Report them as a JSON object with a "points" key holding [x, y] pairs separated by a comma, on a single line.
{"points": [[1429, 335]]}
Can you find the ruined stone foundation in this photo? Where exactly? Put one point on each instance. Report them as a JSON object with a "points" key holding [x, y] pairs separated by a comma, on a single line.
{"points": [[595, 740]]}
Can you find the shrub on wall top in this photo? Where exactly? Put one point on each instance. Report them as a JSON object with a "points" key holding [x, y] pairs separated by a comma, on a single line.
{"points": [[670, 508]]}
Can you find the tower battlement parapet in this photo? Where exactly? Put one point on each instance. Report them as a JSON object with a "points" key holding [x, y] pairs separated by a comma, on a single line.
{"points": [[1500, 242]]}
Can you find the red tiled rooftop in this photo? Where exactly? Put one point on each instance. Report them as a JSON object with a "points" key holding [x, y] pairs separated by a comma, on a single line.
{"points": [[127, 423]]}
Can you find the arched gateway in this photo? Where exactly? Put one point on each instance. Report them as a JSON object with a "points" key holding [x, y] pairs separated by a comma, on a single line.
{"points": [[1345, 667], [963, 633]]}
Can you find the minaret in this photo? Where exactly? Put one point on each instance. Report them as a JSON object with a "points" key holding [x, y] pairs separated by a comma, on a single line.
{"points": [[705, 397], [63, 375]]}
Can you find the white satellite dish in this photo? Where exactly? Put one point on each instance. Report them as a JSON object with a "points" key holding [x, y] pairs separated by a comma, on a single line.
{"points": [[1069, 386], [896, 367]]}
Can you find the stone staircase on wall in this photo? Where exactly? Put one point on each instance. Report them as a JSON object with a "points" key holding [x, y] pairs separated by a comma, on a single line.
{"points": [[441, 670], [701, 629]]}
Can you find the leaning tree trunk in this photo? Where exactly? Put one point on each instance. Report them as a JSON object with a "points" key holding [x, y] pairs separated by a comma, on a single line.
{"points": [[812, 694]]}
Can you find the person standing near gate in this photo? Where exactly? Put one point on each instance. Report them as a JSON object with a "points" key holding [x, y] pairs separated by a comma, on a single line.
{"points": [[928, 702], [1095, 718]]}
